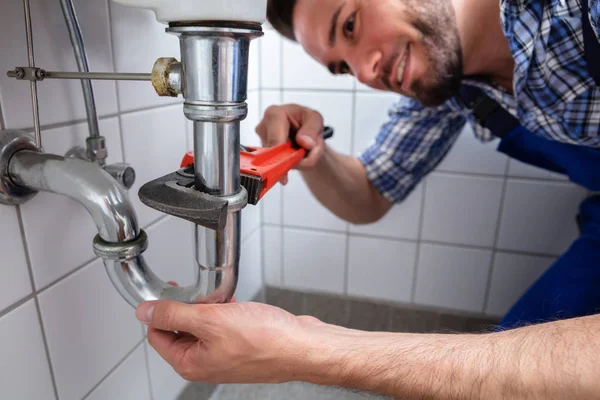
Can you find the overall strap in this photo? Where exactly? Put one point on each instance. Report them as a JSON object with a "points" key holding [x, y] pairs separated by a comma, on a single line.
{"points": [[487, 111], [590, 42]]}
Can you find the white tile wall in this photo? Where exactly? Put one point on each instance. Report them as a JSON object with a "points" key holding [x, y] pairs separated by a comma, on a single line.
{"points": [[314, 260], [24, 370], [539, 217], [251, 277], [129, 381], [166, 383], [302, 72], [469, 155], [401, 222], [452, 277], [88, 341], [270, 59], [272, 253], [89, 328], [50, 37], [14, 282], [512, 275], [370, 114], [461, 209], [381, 268]]}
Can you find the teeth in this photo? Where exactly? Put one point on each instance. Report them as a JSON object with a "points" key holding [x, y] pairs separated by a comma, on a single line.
{"points": [[402, 66]]}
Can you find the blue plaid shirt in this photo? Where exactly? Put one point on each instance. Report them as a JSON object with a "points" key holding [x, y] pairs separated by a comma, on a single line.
{"points": [[554, 97]]}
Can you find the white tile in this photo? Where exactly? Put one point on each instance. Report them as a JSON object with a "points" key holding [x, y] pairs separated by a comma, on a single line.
{"points": [[14, 276], [56, 222], [302, 209], [129, 381], [24, 371], [271, 206], [372, 112], [269, 98], [250, 220], [171, 250], [254, 66], [512, 275], [462, 210], [517, 169], [139, 40], [89, 328], [470, 155], [60, 100], [166, 383], [251, 277], [300, 71], [452, 277], [273, 252], [249, 137], [401, 222], [381, 269], [271, 45], [155, 143], [539, 217], [336, 109], [314, 261]]}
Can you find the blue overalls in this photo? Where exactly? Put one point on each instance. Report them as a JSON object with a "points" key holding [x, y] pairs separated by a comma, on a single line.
{"points": [[571, 286]]}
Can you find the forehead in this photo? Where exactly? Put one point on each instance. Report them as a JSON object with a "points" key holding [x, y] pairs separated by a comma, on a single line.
{"points": [[312, 23]]}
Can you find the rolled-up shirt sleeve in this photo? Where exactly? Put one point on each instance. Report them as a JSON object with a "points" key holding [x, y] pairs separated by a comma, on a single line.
{"points": [[414, 141]]}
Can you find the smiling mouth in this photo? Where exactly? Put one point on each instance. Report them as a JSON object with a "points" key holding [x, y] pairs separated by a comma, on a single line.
{"points": [[401, 72]]}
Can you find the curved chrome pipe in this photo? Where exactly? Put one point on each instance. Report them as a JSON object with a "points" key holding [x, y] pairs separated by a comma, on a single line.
{"points": [[120, 241]]}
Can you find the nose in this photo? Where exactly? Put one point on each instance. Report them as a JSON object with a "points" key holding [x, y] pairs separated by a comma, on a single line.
{"points": [[367, 67]]}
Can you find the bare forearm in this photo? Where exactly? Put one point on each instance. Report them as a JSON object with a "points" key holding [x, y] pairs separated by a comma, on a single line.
{"points": [[340, 183], [557, 360]]}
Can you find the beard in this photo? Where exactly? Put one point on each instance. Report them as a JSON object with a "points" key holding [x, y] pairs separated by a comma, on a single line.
{"points": [[436, 21]]}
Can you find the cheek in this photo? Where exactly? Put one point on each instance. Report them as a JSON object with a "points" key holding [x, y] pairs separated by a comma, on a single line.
{"points": [[421, 64]]}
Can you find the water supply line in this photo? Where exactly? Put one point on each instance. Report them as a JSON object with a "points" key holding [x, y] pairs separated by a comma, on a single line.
{"points": [[96, 144]]}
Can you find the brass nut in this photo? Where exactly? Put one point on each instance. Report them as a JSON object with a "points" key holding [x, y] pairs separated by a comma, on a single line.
{"points": [[161, 77]]}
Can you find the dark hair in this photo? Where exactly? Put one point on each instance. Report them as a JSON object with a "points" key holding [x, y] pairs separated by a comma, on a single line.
{"points": [[280, 14]]}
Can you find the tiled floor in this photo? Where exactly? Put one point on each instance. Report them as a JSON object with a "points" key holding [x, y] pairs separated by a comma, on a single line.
{"points": [[288, 391], [348, 312]]}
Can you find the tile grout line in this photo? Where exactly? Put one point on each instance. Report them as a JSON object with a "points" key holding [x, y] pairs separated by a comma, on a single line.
{"points": [[488, 287], [413, 293], [117, 90], [100, 117], [34, 296], [406, 240], [117, 365], [89, 262], [147, 362], [16, 305], [347, 257]]}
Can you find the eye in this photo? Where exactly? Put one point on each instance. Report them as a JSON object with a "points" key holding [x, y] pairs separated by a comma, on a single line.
{"points": [[344, 68], [349, 26]]}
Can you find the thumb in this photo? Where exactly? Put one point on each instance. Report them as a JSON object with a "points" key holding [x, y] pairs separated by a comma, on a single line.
{"points": [[169, 316]]}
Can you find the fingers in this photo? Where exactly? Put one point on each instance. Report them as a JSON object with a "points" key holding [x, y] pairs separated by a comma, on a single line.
{"points": [[275, 127], [169, 316], [169, 345]]}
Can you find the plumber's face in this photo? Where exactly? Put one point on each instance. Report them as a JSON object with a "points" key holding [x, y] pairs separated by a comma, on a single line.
{"points": [[409, 47]]}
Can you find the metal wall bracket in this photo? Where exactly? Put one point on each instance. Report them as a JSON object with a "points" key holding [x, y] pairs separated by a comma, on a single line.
{"points": [[11, 142]]}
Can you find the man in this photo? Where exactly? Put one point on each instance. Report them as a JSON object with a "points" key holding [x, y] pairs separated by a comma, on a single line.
{"points": [[521, 70]]}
